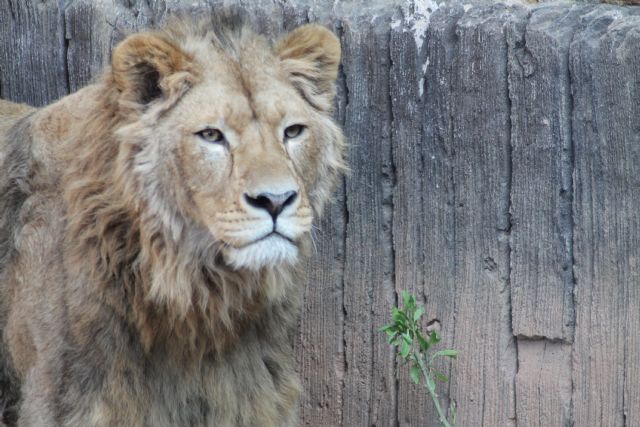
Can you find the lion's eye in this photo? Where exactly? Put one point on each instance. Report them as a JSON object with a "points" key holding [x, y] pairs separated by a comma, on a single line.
{"points": [[293, 131], [211, 135]]}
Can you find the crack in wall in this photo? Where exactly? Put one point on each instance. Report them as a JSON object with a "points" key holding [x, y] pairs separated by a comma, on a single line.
{"points": [[568, 161], [345, 362], [452, 200], [505, 228], [342, 81], [570, 165], [566, 199], [450, 41], [393, 177], [65, 44], [387, 187]]}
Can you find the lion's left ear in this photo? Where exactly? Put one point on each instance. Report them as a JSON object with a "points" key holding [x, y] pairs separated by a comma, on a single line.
{"points": [[310, 55], [147, 67]]}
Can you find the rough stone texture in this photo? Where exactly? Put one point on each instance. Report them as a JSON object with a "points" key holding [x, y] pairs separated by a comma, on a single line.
{"points": [[605, 65], [370, 386], [33, 57], [494, 152], [483, 383], [543, 384], [542, 161]]}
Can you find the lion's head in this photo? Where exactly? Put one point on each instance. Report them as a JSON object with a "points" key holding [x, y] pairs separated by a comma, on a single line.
{"points": [[196, 176], [232, 133]]}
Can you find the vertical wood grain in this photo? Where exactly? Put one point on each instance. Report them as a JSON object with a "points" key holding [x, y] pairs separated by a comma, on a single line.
{"points": [[483, 384], [605, 64], [542, 280], [369, 389], [424, 231], [32, 52], [407, 112], [540, 94]]}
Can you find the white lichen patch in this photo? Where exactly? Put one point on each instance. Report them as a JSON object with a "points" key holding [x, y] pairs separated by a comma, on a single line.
{"points": [[417, 15]]}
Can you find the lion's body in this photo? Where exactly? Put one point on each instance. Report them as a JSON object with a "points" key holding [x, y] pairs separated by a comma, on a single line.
{"points": [[123, 302], [10, 113]]}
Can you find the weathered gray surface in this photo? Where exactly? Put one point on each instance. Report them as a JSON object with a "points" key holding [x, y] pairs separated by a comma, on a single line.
{"points": [[483, 382], [494, 157], [606, 136], [32, 57], [540, 93], [541, 219], [370, 386]]}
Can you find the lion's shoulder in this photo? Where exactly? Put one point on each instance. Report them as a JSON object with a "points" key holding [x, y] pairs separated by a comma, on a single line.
{"points": [[11, 112]]}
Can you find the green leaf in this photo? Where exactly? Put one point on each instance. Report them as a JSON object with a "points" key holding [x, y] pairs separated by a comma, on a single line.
{"points": [[440, 376], [418, 313], [392, 337], [448, 353], [405, 298], [414, 373], [412, 302], [398, 316], [406, 348], [424, 345], [433, 338], [386, 328]]}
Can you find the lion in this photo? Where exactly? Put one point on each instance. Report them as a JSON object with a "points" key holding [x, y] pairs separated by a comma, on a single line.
{"points": [[152, 227]]}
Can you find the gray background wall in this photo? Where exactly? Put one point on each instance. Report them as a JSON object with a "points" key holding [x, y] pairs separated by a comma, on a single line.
{"points": [[495, 156]]}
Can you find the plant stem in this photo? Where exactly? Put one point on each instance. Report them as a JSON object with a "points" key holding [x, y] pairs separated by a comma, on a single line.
{"points": [[432, 392]]}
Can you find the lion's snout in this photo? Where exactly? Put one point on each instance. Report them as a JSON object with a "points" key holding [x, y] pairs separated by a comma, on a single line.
{"points": [[273, 203]]}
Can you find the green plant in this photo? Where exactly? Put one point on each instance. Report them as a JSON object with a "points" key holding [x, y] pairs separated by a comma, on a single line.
{"points": [[416, 350]]}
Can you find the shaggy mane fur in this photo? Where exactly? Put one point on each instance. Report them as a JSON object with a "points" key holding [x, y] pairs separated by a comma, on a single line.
{"points": [[117, 242]]}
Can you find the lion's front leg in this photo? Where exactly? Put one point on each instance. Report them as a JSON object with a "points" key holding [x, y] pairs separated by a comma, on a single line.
{"points": [[54, 395], [91, 376]]}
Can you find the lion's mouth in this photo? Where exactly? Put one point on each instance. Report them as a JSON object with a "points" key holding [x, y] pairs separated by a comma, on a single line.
{"points": [[271, 235], [273, 248]]}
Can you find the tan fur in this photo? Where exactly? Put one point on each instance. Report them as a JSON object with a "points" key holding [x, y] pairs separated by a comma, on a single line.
{"points": [[137, 285], [10, 113]]}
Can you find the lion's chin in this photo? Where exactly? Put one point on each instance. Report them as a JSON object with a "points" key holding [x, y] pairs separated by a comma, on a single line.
{"points": [[270, 251]]}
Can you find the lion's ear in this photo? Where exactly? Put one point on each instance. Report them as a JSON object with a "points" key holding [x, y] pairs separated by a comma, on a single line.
{"points": [[310, 55], [147, 67]]}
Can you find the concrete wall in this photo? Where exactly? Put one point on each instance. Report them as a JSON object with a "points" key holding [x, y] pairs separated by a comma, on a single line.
{"points": [[495, 154]]}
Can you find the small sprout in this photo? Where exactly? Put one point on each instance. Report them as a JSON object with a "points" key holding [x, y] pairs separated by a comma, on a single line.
{"points": [[414, 349]]}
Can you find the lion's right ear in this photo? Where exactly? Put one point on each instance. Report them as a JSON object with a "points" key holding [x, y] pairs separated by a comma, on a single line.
{"points": [[147, 67], [310, 55]]}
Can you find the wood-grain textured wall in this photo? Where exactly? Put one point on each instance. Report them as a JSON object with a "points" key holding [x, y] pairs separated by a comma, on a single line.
{"points": [[495, 156]]}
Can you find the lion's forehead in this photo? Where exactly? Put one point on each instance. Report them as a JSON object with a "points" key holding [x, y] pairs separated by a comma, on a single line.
{"points": [[225, 99], [241, 88]]}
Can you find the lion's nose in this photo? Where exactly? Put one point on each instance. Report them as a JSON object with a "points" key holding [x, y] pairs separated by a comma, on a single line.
{"points": [[272, 203]]}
